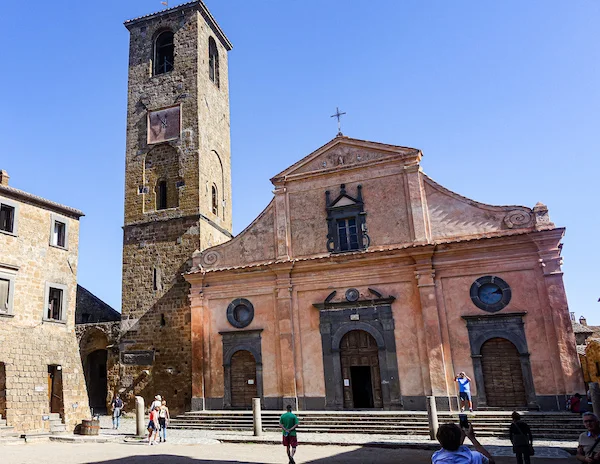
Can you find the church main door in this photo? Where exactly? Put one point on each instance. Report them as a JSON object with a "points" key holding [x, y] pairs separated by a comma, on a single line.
{"points": [[361, 376], [243, 380], [502, 374]]}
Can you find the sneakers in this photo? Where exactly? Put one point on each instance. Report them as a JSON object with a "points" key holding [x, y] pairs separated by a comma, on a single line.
{"points": [[462, 409], [470, 409]]}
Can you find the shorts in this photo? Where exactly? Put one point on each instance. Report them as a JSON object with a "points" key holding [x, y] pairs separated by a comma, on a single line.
{"points": [[466, 396], [162, 421], [152, 425], [290, 441]]}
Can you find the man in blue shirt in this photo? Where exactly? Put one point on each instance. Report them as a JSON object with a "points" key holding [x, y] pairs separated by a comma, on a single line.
{"points": [[464, 389]]}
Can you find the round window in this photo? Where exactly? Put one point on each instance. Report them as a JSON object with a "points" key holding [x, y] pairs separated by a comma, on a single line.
{"points": [[240, 313], [490, 293]]}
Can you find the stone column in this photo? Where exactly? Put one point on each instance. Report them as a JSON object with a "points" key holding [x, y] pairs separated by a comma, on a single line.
{"points": [[140, 428], [285, 333], [425, 275]]}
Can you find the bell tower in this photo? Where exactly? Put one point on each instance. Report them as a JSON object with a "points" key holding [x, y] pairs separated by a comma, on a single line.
{"points": [[177, 191]]}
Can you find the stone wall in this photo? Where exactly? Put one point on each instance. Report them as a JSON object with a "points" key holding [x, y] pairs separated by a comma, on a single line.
{"points": [[30, 343]]}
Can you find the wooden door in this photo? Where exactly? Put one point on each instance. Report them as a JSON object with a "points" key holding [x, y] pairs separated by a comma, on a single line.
{"points": [[243, 380], [502, 374], [358, 348]]}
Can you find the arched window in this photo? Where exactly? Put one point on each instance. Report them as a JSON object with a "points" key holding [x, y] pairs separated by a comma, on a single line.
{"points": [[161, 195], [164, 53], [213, 61], [215, 201]]}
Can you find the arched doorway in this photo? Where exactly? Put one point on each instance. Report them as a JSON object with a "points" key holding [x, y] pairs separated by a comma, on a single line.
{"points": [[359, 356], [243, 379], [96, 381], [502, 374]]}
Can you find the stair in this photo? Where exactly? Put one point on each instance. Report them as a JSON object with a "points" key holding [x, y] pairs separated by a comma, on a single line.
{"points": [[7, 433], [56, 424], [548, 425]]}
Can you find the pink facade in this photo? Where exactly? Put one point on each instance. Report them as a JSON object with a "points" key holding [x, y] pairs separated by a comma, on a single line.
{"points": [[406, 259]]}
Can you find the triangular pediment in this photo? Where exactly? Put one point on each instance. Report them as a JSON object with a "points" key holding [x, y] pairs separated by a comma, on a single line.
{"points": [[344, 152], [343, 200]]}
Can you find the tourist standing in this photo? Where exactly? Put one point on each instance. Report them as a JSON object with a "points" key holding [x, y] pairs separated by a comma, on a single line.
{"points": [[153, 426], [288, 422], [117, 405], [156, 403], [589, 442], [452, 437], [521, 439], [464, 391], [163, 420]]}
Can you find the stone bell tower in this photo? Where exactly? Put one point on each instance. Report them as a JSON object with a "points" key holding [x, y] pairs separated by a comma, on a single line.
{"points": [[177, 191]]}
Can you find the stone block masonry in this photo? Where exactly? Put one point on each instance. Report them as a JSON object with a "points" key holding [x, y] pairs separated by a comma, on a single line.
{"points": [[40, 367]]}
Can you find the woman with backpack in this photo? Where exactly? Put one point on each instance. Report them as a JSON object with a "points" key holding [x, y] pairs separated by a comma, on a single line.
{"points": [[117, 405], [521, 439]]}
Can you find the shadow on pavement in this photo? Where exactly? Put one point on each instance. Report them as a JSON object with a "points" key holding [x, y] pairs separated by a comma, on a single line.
{"points": [[165, 459]]}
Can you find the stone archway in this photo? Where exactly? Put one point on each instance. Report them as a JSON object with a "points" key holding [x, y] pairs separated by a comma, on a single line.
{"points": [[502, 374], [93, 348], [94, 368]]}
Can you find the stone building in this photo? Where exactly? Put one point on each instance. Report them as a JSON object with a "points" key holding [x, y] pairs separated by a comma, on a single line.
{"points": [[365, 284], [177, 190], [587, 338], [97, 326], [40, 369]]}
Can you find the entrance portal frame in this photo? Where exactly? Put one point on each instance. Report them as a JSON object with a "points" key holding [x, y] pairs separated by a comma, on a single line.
{"points": [[509, 326], [241, 340], [374, 317]]}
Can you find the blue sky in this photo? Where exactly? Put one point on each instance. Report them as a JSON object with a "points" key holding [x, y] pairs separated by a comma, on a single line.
{"points": [[502, 97]]}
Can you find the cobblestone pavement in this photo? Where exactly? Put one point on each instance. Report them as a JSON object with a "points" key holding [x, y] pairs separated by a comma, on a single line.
{"points": [[226, 453], [496, 446]]}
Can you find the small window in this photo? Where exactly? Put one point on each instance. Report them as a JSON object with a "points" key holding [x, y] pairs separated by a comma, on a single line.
{"points": [[55, 304], [7, 218], [347, 234], [161, 200], [59, 232], [164, 53], [7, 286], [213, 61], [55, 309], [215, 201]]}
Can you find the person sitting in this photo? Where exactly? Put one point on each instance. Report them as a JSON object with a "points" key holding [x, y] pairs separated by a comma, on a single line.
{"points": [[451, 437]]}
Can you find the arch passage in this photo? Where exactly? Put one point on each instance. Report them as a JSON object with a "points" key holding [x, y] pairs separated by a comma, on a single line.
{"points": [[243, 379], [502, 374], [360, 370], [96, 379]]}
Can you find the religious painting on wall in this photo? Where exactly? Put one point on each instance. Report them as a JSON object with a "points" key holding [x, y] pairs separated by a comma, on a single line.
{"points": [[164, 125]]}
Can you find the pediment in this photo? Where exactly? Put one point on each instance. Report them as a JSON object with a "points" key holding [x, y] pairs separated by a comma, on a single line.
{"points": [[343, 152], [343, 200]]}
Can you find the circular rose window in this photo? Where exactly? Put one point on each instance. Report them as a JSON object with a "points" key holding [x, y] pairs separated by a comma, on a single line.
{"points": [[240, 313], [490, 293]]}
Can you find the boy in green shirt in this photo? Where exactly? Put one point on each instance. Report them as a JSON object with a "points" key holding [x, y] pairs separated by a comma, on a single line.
{"points": [[288, 422]]}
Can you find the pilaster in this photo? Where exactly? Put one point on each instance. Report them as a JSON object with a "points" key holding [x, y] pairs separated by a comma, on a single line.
{"points": [[549, 251], [425, 275], [285, 333], [282, 230], [199, 354], [417, 204]]}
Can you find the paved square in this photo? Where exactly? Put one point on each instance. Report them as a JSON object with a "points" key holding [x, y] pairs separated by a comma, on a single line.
{"points": [[138, 453]]}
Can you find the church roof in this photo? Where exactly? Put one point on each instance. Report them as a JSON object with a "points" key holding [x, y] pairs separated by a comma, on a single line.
{"points": [[319, 162], [388, 249], [199, 5]]}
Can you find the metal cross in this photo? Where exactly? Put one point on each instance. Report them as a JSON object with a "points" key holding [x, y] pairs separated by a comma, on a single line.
{"points": [[338, 115]]}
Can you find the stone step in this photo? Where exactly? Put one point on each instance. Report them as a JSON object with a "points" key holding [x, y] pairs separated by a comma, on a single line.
{"points": [[544, 425], [2, 422], [57, 428], [6, 431], [37, 437]]}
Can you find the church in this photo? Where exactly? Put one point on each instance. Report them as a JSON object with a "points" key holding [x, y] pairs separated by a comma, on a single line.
{"points": [[363, 284]]}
